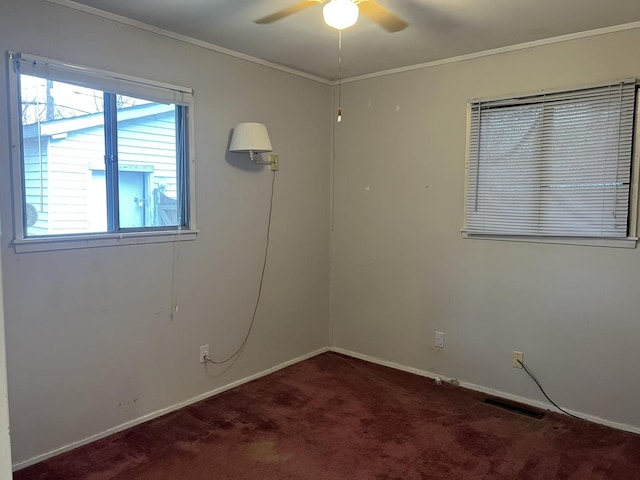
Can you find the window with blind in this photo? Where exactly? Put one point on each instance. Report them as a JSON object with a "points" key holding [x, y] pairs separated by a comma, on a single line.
{"points": [[552, 165], [102, 157]]}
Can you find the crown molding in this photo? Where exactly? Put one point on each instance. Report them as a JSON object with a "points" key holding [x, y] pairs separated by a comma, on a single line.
{"points": [[325, 81], [184, 38], [496, 51]]}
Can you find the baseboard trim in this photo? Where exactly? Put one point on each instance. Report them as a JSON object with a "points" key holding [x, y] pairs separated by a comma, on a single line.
{"points": [[489, 391], [158, 413], [368, 358]]}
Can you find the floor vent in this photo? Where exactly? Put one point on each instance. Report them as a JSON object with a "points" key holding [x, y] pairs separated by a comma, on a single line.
{"points": [[514, 408]]}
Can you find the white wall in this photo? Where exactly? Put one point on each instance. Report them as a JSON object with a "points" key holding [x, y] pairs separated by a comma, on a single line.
{"points": [[90, 341], [401, 270], [5, 440]]}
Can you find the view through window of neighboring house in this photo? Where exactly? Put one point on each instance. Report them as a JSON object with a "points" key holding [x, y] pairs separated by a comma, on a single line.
{"points": [[553, 164], [95, 161]]}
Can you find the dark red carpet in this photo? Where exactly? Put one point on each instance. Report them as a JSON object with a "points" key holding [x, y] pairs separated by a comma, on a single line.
{"points": [[334, 417]]}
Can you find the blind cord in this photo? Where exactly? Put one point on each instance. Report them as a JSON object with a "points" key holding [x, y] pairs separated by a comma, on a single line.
{"points": [[174, 288], [339, 118], [264, 267]]}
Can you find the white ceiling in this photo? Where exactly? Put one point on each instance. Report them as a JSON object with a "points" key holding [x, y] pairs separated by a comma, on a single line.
{"points": [[438, 29]]}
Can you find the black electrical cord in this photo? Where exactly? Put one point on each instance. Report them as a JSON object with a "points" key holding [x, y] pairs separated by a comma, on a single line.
{"points": [[545, 393], [264, 267]]}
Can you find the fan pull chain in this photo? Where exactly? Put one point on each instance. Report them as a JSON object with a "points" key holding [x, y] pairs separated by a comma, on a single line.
{"points": [[339, 75]]}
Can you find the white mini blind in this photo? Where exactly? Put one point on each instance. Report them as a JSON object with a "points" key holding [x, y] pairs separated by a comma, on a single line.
{"points": [[554, 164], [101, 80]]}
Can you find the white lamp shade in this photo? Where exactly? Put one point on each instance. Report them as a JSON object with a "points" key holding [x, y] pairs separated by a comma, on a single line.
{"points": [[250, 137], [340, 14]]}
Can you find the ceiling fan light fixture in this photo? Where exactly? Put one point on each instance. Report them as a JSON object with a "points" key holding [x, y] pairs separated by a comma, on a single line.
{"points": [[340, 14]]}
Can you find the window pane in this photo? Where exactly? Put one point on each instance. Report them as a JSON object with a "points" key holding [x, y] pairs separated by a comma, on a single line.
{"points": [[555, 164], [585, 192], [63, 146], [147, 163], [508, 181]]}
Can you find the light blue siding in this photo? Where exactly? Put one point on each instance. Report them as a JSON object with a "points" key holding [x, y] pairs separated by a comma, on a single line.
{"points": [[58, 171]]}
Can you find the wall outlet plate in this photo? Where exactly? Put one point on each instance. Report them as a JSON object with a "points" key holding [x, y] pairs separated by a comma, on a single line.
{"points": [[514, 360], [439, 341], [204, 352], [274, 162]]}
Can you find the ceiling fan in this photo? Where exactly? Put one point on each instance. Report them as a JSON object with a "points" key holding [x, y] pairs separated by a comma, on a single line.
{"points": [[369, 8]]}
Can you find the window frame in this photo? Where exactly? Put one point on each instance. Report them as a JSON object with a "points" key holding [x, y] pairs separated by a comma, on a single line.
{"points": [[630, 241], [183, 96]]}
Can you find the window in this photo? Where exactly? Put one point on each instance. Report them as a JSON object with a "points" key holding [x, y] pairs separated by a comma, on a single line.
{"points": [[553, 165], [102, 158]]}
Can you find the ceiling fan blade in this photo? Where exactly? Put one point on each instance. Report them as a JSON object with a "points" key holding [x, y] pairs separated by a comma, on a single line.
{"points": [[380, 15], [285, 12]]}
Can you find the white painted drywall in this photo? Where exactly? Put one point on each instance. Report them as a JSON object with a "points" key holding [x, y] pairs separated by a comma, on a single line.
{"points": [[90, 341], [401, 269], [5, 440]]}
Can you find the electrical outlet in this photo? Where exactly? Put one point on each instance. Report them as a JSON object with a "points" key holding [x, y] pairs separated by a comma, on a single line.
{"points": [[204, 352], [274, 162], [439, 340], [517, 356]]}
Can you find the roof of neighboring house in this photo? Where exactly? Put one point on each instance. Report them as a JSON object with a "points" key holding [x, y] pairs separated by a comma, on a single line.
{"points": [[66, 125]]}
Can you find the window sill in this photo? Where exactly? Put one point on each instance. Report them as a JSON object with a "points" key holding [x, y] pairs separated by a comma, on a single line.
{"points": [[45, 244], [626, 242]]}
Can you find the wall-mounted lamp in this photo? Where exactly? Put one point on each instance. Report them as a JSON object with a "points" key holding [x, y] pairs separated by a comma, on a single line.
{"points": [[253, 138]]}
